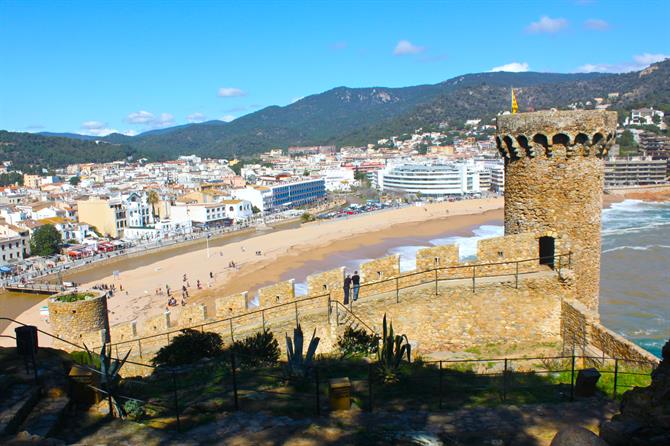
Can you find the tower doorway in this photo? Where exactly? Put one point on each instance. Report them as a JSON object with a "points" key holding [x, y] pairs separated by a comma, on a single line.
{"points": [[547, 251]]}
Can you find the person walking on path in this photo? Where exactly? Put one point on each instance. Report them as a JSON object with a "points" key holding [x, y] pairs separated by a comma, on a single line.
{"points": [[356, 281], [347, 286]]}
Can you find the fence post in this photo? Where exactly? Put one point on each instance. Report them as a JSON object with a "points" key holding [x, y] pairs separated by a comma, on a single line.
{"points": [[370, 387], [474, 276], [232, 338], [234, 374], [397, 291], [329, 305], [263, 316], [139, 346], [572, 379], [296, 313], [616, 375], [440, 388], [505, 380], [516, 284], [436, 292], [176, 399], [318, 402], [570, 259]]}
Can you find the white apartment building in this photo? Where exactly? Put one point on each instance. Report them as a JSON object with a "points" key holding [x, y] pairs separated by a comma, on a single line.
{"points": [[14, 243], [212, 214], [436, 180]]}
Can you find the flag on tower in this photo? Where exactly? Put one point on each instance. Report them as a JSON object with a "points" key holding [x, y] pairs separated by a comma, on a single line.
{"points": [[515, 106]]}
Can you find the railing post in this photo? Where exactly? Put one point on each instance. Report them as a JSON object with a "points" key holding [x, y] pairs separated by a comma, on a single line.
{"points": [[440, 388], [234, 375], [570, 259], [330, 295], [616, 375], [232, 338], [263, 316], [436, 292], [139, 346], [337, 314], [516, 284], [176, 399], [474, 276], [296, 313], [316, 381], [397, 291], [572, 379], [505, 382]]}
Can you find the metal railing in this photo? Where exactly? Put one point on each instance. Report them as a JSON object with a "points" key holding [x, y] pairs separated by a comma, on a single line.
{"points": [[563, 261], [435, 385]]}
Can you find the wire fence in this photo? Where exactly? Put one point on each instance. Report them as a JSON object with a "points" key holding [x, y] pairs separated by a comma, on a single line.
{"points": [[228, 383]]}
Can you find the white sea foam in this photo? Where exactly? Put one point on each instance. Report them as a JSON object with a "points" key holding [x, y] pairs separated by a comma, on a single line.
{"points": [[468, 245], [636, 248], [301, 288], [407, 256]]}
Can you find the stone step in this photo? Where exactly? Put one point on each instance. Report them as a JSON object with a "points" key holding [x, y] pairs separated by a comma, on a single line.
{"points": [[46, 416], [16, 405]]}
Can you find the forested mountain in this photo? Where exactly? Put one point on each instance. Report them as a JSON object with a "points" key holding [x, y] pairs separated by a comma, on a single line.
{"points": [[353, 116], [30, 152]]}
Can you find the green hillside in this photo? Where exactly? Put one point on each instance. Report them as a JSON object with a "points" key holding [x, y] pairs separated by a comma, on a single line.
{"points": [[356, 116]]}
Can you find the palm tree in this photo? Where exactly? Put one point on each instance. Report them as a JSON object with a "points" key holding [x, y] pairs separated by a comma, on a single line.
{"points": [[153, 199]]}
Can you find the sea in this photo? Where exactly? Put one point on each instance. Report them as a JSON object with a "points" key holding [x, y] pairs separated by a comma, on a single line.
{"points": [[635, 268]]}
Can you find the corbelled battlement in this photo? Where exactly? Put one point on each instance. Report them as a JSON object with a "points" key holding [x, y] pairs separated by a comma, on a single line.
{"points": [[558, 134]]}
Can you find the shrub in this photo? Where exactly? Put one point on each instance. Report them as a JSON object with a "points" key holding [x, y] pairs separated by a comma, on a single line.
{"points": [[260, 349], [74, 297], [83, 358], [189, 347], [357, 342], [134, 409]]}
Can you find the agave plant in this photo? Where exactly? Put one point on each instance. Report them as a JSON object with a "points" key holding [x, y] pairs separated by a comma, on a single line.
{"points": [[391, 353], [109, 376], [299, 366]]}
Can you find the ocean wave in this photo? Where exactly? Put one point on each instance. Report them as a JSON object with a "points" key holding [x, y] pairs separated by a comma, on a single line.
{"points": [[468, 245], [636, 248], [407, 256]]}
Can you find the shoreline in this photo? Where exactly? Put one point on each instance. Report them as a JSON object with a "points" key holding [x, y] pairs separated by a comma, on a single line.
{"points": [[140, 301]]}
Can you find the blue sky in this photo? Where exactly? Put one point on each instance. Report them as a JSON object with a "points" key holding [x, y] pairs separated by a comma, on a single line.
{"points": [[94, 67]]}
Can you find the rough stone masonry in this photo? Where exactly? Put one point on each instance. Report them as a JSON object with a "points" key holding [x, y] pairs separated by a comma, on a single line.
{"points": [[554, 184]]}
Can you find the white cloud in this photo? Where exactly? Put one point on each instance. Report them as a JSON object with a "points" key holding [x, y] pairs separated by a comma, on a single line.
{"points": [[596, 24], [96, 128], [547, 25], [150, 120], [196, 117], [639, 62], [140, 117], [296, 99], [406, 47], [514, 67], [230, 92], [647, 59], [228, 118], [129, 132]]}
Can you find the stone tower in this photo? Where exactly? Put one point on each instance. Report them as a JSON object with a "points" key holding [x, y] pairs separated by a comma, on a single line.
{"points": [[554, 184]]}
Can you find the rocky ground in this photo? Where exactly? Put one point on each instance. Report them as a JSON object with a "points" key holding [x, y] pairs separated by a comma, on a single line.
{"points": [[531, 425]]}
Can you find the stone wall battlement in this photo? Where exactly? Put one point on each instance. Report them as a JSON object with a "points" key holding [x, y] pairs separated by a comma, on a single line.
{"points": [[497, 256], [556, 134]]}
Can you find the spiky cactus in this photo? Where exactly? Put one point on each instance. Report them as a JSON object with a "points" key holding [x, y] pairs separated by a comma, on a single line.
{"points": [[391, 353], [299, 366], [109, 376]]}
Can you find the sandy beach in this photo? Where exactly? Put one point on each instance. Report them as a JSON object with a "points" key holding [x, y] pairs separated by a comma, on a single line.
{"points": [[281, 251]]}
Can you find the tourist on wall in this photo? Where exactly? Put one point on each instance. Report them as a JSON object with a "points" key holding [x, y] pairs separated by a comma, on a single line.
{"points": [[347, 287], [356, 281]]}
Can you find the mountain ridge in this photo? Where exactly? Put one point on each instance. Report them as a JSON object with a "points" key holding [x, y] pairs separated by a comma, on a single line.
{"points": [[356, 116]]}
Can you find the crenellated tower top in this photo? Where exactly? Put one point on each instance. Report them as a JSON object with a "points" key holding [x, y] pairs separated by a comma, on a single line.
{"points": [[556, 134]]}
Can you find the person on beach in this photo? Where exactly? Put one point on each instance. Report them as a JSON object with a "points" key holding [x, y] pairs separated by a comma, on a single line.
{"points": [[347, 287], [356, 282], [211, 275]]}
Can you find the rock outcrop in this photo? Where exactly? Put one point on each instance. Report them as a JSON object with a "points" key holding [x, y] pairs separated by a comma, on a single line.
{"points": [[645, 412]]}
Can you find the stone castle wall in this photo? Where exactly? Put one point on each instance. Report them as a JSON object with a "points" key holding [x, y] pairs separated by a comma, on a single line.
{"points": [[80, 321], [581, 331], [554, 182]]}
